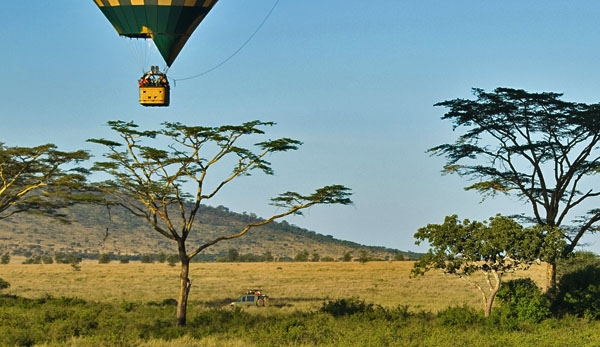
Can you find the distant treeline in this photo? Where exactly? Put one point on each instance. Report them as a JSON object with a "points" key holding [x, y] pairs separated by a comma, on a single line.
{"points": [[231, 256]]}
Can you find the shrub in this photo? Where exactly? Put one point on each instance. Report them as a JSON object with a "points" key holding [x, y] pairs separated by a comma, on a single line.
{"points": [[363, 256], [63, 258], [147, 259], [576, 261], [460, 316], [47, 259], [33, 260], [5, 259], [104, 258], [315, 257], [346, 307], [578, 293], [172, 259], [4, 284], [301, 256], [521, 300]]}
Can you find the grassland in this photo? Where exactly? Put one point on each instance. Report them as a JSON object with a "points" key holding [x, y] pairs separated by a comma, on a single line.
{"points": [[297, 286], [129, 304]]}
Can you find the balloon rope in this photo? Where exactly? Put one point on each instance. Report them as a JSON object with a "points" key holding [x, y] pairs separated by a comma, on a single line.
{"points": [[236, 51]]}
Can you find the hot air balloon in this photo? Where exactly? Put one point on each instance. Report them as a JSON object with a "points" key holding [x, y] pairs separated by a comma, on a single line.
{"points": [[169, 23]]}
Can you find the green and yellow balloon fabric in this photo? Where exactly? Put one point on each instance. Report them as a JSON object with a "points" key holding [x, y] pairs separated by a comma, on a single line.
{"points": [[169, 23]]}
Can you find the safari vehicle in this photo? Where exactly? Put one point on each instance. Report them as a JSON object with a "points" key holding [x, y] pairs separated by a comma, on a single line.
{"points": [[252, 297]]}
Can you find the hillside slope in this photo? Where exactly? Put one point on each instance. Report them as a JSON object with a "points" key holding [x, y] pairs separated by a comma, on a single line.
{"points": [[96, 230]]}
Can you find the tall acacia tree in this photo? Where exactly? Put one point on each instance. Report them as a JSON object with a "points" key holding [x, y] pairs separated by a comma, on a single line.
{"points": [[154, 182], [536, 147], [39, 179]]}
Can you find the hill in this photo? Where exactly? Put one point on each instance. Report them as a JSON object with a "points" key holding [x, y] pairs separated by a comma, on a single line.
{"points": [[95, 230]]}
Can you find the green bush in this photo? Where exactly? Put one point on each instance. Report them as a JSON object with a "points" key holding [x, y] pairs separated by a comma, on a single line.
{"points": [[5, 259], [147, 259], [460, 316], [578, 289], [172, 259], [50, 322], [36, 259], [521, 300], [345, 307], [301, 256], [47, 259], [578, 293], [104, 258], [63, 258], [4, 284], [576, 261]]}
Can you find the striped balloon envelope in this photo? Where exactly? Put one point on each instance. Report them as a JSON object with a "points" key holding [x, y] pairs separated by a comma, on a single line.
{"points": [[169, 23]]}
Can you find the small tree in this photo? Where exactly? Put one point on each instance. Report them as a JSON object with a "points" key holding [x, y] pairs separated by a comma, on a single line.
{"points": [[4, 284], [172, 259], [301, 256], [232, 255], [315, 257], [347, 257], [467, 248], [104, 258], [166, 183], [363, 256], [5, 259], [268, 256], [47, 259], [147, 259]]}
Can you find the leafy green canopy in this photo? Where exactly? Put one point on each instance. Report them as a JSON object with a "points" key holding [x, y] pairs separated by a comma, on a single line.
{"points": [[39, 179], [534, 146], [463, 247]]}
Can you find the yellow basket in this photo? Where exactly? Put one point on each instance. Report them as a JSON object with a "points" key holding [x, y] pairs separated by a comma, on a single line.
{"points": [[154, 96]]}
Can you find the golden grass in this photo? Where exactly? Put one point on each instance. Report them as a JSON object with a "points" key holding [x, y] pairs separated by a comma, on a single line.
{"points": [[291, 286]]}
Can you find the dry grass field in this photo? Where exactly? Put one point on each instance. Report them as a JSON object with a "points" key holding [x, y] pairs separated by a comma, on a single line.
{"points": [[291, 286]]}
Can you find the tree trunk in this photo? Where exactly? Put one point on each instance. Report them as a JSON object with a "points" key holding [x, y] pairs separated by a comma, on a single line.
{"points": [[494, 288], [488, 300], [551, 278], [184, 290]]}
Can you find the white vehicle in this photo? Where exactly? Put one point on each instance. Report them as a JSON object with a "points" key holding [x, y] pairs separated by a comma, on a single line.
{"points": [[252, 298]]}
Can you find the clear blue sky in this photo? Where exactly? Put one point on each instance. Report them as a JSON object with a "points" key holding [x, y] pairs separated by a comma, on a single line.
{"points": [[354, 80]]}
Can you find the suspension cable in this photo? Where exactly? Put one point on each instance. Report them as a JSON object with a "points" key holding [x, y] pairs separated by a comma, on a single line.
{"points": [[224, 61]]}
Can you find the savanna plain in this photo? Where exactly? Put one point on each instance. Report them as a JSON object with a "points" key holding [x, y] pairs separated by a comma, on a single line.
{"points": [[377, 302]]}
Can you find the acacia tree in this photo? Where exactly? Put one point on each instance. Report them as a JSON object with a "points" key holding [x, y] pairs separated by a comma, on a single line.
{"points": [[533, 146], [39, 179], [468, 248], [151, 181]]}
